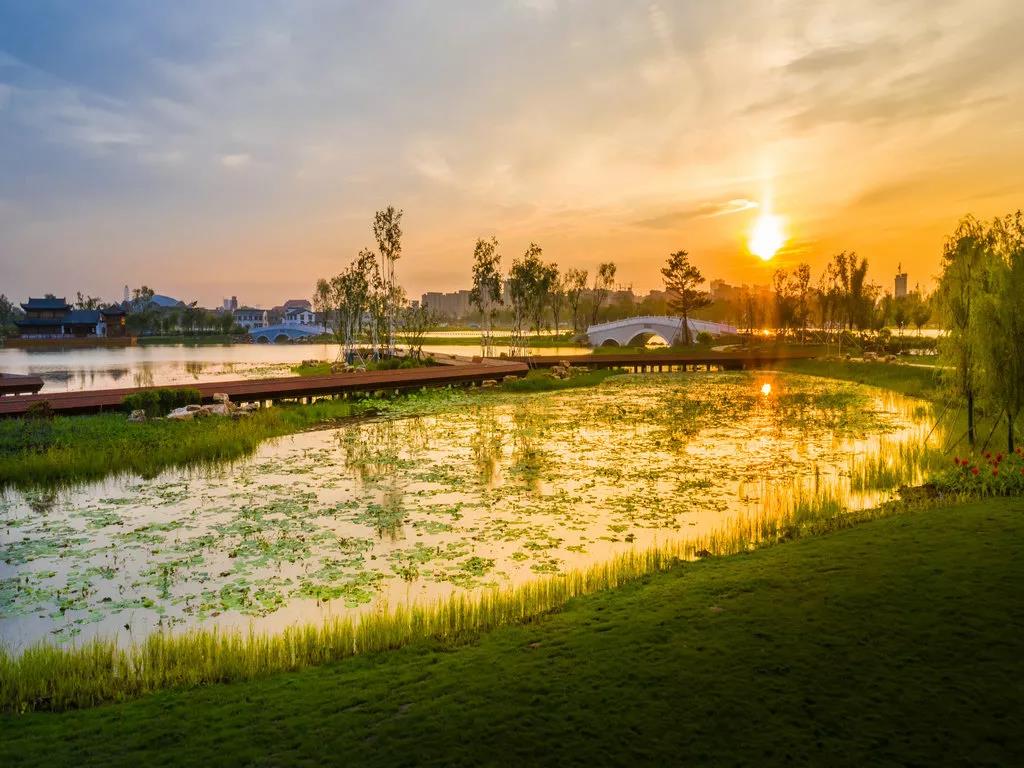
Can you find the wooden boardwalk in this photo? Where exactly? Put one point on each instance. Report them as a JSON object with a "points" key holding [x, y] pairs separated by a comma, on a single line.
{"points": [[696, 359], [452, 371], [18, 384], [257, 390]]}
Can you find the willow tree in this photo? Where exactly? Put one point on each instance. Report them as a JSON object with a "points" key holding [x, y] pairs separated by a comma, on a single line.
{"points": [[387, 230], [999, 332], [964, 261], [683, 281], [486, 292]]}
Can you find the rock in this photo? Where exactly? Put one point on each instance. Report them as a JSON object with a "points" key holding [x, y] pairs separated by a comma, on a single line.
{"points": [[137, 415], [477, 359], [217, 409], [248, 407], [510, 377], [181, 414], [221, 397], [191, 408], [565, 364], [486, 383]]}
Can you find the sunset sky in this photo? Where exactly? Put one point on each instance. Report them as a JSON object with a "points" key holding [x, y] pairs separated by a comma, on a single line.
{"points": [[240, 147]]}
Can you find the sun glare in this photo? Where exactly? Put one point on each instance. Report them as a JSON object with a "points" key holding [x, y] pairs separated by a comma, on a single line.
{"points": [[766, 237], [766, 389]]}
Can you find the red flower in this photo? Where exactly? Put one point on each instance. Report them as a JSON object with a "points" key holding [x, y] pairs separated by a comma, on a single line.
{"points": [[995, 473], [974, 471], [988, 455], [999, 457]]}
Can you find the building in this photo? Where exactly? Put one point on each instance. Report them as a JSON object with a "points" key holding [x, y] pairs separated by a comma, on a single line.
{"points": [[53, 318], [250, 318], [230, 305], [451, 305], [901, 283], [299, 316]]}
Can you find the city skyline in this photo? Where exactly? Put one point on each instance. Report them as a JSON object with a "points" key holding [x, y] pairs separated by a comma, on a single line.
{"points": [[243, 151]]}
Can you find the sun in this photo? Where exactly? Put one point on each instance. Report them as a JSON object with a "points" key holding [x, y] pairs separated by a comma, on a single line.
{"points": [[766, 238]]}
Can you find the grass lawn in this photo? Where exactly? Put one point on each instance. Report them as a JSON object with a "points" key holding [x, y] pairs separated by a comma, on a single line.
{"points": [[896, 642], [913, 380]]}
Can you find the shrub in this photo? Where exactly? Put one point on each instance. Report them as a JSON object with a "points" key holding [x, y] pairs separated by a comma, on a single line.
{"points": [[160, 402], [705, 339]]}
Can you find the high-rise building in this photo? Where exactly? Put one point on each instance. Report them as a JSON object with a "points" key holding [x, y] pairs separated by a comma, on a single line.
{"points": [[230, 305], [901, 283]]}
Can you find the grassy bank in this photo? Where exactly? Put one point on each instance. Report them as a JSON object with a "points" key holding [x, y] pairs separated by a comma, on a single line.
{"points": [[81, 448], [910, 380], [192, 341], [894, 642], [324, 367]]}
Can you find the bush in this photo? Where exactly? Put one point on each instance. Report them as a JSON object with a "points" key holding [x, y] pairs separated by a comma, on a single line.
{"points": [[705, 339], [160, 402]]}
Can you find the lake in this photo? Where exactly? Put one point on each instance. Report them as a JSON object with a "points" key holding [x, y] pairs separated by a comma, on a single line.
{"points": [[66, 370], [451, 491]]}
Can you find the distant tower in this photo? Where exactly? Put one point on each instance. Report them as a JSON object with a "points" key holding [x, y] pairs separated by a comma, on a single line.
{"points": [[126, 292], [901, 282]]}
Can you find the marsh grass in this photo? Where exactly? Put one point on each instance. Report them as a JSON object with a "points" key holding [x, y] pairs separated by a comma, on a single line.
{"points": [[49, 677], [84, 448]]}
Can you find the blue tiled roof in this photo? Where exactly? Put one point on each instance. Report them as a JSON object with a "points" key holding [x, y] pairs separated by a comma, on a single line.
{"points": [[46, 304], [90, 316]]}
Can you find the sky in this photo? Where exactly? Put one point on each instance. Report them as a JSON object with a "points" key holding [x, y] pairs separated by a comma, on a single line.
{"points": [[242, 147]]}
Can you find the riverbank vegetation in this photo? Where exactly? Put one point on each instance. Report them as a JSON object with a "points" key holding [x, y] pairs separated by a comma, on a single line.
{"points": [[49, 676], [44, 449], [843, 626]]}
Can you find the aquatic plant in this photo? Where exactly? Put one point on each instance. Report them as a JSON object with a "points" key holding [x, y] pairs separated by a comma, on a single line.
{"points": [[50, 677]]}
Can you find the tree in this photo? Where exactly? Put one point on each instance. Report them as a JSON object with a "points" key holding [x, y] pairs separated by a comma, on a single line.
{"points": [[999, 336], [9, 313], [575, 282], [557, 296], [486, 292], [387, 230], [848, 280], [785, 300], [415, 322], [603, 282], [800, 282], [87, 302], [920, 310], [682, 281], [530, 282], [963, 264]]}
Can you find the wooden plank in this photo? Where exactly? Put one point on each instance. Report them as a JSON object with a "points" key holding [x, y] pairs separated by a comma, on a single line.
{"points": [[274, 389], [17, 384]]}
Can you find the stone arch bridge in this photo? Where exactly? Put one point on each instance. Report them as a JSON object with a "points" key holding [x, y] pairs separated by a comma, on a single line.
{"points": [[281, 333], [635, 331]]}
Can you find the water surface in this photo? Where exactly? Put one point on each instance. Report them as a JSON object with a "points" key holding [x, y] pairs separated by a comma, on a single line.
{"points": [[473, 491]]}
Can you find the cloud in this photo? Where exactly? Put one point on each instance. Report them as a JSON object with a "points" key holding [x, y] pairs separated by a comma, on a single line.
{"points": [[236, 161], [706, 210]]}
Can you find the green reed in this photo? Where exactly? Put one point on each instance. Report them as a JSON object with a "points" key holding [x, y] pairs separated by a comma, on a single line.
{"points": [[45, 676]]}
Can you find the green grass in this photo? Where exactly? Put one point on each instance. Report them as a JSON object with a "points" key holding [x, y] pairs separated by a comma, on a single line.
{"points": [[195, 340], [323, 368], [895, 642], [82, 448], [542, 381], [914, 381]]}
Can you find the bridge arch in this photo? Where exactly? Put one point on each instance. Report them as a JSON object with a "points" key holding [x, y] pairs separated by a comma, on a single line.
{"points": [[630, 329], [278, 334], [646, 337]]}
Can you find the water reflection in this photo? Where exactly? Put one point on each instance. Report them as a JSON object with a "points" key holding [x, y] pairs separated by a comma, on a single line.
{"points": [[98, 368], [398, 509]]}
